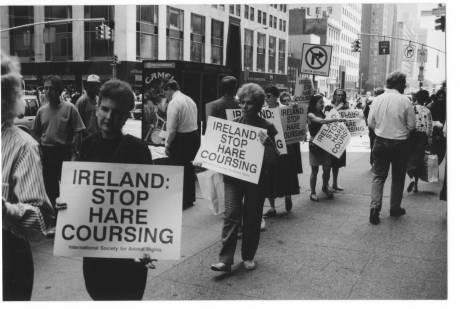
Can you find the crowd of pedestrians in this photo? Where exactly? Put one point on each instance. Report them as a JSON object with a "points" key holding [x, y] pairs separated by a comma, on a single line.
{"points": [[91, 131]]}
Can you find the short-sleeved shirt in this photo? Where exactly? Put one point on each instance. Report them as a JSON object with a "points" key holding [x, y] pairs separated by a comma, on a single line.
{"points": [[182, 114], [423, 120], [56, 126], [86, 107]]}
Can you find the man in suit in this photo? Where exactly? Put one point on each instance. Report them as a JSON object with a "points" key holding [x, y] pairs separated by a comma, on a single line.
{"points": [[229, 85]]}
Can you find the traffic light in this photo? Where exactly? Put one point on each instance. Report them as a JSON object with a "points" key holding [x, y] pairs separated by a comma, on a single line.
{"points": [[440, 23], [100, 32], [356, 46], [114, 59], [107, 32]]}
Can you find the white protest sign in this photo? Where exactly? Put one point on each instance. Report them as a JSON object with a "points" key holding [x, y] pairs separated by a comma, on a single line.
{"points": [[270, 114], [294, 120], [333, 137], [232, 148], [120, 211], [354, 121]]}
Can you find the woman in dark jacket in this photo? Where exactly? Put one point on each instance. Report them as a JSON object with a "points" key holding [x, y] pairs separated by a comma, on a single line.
{"points": [[107, 278]]}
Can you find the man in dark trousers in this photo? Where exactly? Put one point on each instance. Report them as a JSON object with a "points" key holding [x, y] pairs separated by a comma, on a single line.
{"points": [[87, 104], [228, 85], [183, 137], [392, 118]]}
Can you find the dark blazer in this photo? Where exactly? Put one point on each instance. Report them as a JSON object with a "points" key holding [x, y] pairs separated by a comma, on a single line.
{"points": [[217, 108]]}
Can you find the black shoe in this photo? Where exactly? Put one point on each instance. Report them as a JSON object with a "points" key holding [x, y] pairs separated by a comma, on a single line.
{"points": [[328, 193], [270, 213], [314, 198], [397, 213], [410, 187], [221, 267], [374, 217]]}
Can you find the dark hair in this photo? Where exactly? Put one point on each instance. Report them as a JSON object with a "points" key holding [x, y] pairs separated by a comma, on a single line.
{"points": [[422, 96], [272, 90], [335, 94], [313, 101], [254, 92], [171, 84], [229, 85], [285, 94], [439, 92], [120, 92], [395, 80], [378, 91], [56, 82]]}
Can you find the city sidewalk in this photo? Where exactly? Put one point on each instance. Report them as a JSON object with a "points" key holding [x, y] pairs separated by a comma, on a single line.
{"points": [[325, 250]]}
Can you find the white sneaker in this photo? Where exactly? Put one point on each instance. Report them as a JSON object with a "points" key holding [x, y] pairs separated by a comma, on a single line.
{"points": [[262, 225], [249, 265]]}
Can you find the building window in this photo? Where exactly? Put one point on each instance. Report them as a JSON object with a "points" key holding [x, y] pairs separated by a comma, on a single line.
{"points": [[246, 11], [147, 32], [281, 56], [217, 41], [175, 34], [259, 16], [264, 18], [222, 7], [308, 11], [58, 37], [238, 9], [261, 41], [251, 17], [248, 49], [284, 25], [231, 8], [275, 6], [271, 54], [98, 49], [197, 38], [22, 40], [271, 21], [281, 25], [275, 22]]}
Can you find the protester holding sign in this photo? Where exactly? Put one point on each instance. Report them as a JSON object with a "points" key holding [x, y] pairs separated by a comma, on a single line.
{"points": [[244, 200], [339, 101], [318, 156], [26, 209], [419, 139], [106, 278], [283, 182]]}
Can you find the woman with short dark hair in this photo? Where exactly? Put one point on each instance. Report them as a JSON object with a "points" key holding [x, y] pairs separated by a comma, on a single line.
{"points": [[244, 201], [108, 278]]}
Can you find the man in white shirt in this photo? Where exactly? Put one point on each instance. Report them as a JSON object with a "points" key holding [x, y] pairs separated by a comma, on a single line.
{"points": [[183, 137], [392, 118]]}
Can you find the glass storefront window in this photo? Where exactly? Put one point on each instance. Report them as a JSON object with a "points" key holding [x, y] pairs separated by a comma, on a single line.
{"points": [[217, 41], [197, 38], [281, 56], [248, 49], [58, 37], [271, 54], [22, 40], [98, 49], [261, 41], [175, 34], [147, 32]]}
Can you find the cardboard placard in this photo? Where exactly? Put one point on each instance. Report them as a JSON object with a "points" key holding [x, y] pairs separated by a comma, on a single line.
{"points": [[232, 148], [120, 211], [354, 121], [294, 120], [270, 114]]}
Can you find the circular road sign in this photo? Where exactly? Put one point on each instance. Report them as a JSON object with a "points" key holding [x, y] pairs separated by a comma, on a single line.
{"points": [[409, 52], [316, 57]]}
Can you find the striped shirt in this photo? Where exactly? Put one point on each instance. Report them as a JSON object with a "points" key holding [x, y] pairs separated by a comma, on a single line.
{"points": [[28, 209]]}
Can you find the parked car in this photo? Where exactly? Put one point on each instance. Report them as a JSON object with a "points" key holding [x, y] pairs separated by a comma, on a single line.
{"points": [[136, 113], [25, 121]]}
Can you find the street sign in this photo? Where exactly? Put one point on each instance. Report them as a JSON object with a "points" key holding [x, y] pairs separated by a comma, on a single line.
{"points": [[316, 59], [422, 55], [384, 47], [409, 52], [420, 74]]}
